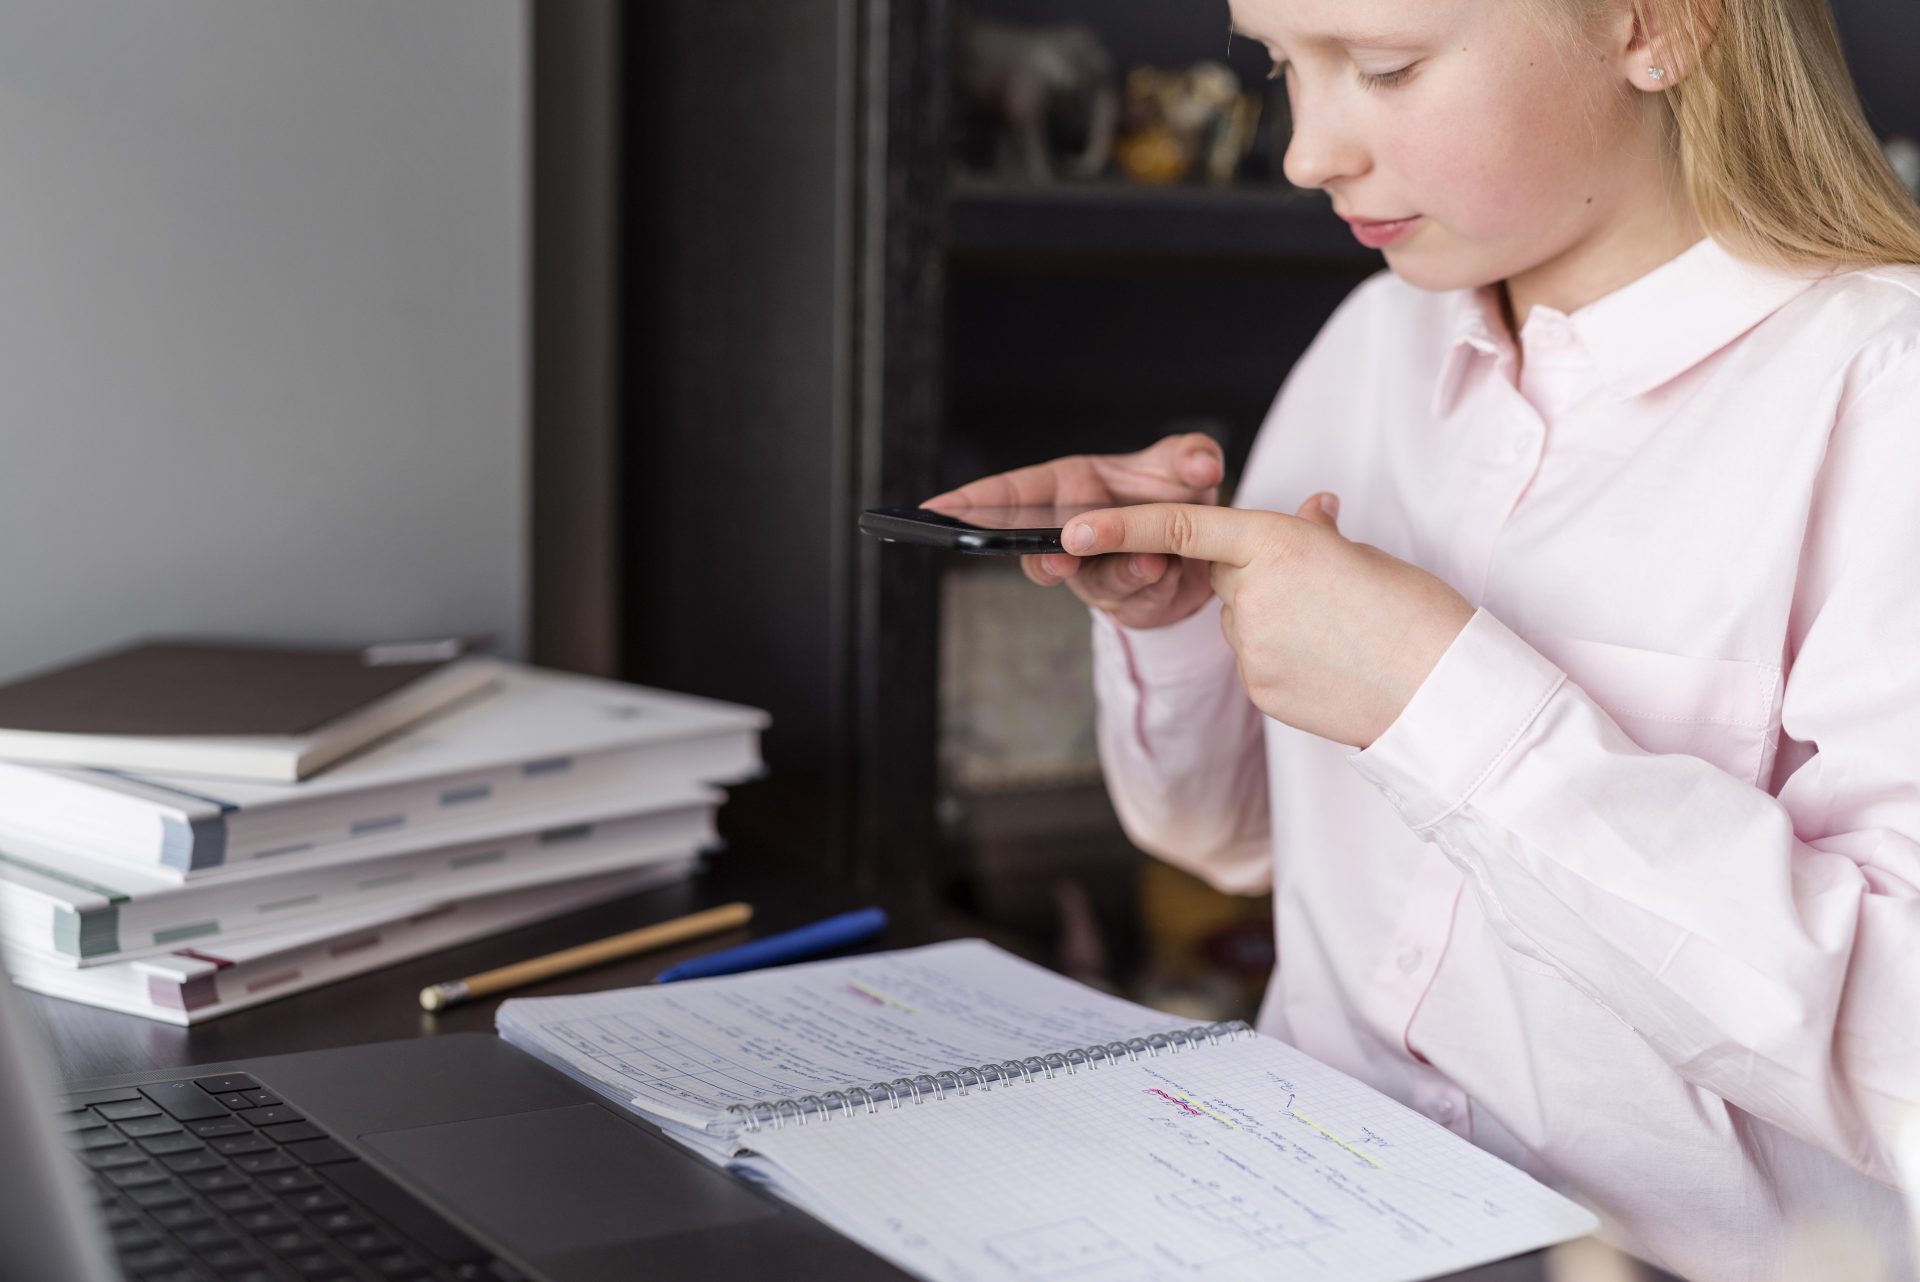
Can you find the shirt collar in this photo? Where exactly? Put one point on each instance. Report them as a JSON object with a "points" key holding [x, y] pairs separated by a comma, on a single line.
{"points": [[1645, 333], [1477, 327]]}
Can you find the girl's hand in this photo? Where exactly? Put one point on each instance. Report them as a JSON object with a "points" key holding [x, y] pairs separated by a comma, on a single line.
{"points": [[1148, 590], [1332, 636]]}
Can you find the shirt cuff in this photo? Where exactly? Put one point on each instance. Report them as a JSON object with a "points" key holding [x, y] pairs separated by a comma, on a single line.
{"points": [[1487, 688], [1193, 647]]}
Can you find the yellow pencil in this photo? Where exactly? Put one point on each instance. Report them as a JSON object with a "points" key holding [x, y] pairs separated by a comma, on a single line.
{"points": [[660, 935]]}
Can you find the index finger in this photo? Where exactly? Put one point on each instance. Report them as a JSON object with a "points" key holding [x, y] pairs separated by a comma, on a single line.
{"points": [[1225, 535], [1054, 484]]}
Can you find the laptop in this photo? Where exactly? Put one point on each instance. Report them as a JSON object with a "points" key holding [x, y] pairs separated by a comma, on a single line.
{"points": [[455, 1158]]}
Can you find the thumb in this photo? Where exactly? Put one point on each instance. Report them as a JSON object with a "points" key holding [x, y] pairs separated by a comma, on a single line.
{"points": [[1322, 509]]}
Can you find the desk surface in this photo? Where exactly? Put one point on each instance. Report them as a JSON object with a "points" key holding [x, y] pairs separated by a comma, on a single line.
{"points": [[384, 1005]]}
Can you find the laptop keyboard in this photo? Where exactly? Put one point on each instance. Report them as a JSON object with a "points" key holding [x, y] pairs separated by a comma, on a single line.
{"points": [[215, 1179]]}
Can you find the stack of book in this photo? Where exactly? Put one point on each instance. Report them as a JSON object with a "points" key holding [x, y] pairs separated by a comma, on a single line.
{"points": [[184, 896]]}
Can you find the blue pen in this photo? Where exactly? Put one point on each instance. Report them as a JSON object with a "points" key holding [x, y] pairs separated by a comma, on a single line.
{"points": [[774, 950]]}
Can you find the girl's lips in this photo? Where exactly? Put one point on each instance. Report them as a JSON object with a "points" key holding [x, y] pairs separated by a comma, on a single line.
{"points": [[1378, 234]]}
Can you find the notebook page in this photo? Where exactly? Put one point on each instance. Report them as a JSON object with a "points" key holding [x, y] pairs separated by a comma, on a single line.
{"points": [[686, 1051], [1243, 1159]]}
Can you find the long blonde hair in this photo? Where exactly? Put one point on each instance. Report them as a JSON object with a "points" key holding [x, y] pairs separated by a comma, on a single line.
{"points": [[1775, 148]]}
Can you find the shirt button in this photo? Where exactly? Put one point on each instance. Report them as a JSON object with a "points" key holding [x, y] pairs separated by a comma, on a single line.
{"points": [[1441, 1108], [1409, 960]]}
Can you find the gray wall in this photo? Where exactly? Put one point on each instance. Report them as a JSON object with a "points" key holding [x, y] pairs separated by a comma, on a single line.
{"points": [[263, 336]]}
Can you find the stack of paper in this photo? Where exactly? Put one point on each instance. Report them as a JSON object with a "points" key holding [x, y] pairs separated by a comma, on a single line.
{"points": [[184, 897]]}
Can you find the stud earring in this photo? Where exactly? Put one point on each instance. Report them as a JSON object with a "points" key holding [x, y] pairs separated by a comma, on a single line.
{"points": [[1657, 73]]}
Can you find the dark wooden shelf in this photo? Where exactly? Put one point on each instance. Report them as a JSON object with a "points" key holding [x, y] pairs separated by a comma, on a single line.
{"points": [[992, 218]]}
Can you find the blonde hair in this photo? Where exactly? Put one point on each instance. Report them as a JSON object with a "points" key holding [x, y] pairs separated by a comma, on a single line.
{"points": [[1776, 151]]}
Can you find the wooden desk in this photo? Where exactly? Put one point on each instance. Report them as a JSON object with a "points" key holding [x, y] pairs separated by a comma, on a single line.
{"points": [[385, 1005]]}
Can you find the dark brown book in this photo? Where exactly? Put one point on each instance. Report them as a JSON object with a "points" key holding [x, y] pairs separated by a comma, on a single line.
{"points": [[246, 711]]}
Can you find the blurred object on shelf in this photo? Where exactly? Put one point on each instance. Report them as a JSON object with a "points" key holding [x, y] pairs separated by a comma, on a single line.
{"points": [[1840, 1242], [1232, 135], [1588, 1259], [1209, 954], [1267, 160], [1903, 154], [1194, 122], [1906, 1157], [1035, 102], [1016, 682], [1081, 950], [1051, 870]]}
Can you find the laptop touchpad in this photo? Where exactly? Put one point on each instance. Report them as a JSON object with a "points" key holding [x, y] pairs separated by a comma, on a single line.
{"points": [[562, 1179]]}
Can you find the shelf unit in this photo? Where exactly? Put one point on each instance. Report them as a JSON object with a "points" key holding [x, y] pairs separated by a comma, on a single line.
{"points": [[821, 315], [992, 218]]}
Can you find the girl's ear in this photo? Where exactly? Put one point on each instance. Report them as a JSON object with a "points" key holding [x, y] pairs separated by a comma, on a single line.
{"points": [[1659, 43]]}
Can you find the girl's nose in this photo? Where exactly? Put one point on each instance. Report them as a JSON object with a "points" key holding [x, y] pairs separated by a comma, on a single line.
{"points": [[1321, 153]]}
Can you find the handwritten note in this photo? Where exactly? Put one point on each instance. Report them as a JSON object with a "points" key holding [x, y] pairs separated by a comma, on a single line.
{"points": [[1241, 1160], [688, 1051]]}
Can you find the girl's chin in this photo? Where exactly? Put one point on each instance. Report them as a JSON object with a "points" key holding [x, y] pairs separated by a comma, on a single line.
{"points": [[1424, 273], [1426, 265]]}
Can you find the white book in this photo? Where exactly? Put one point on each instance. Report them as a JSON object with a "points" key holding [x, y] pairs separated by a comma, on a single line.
{"points": [[538, 740], [196, 985], [974, 1117], [84, 913], [566, 810]]}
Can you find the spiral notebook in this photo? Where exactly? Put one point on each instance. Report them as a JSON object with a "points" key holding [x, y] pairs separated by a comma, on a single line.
{"points": [[971, 1116]]}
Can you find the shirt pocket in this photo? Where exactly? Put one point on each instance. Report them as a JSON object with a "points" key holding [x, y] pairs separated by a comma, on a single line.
{"points": [[1724, 711]]}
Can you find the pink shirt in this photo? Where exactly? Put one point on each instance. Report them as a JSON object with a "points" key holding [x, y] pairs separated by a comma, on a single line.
{"points": [[1630, 893]]}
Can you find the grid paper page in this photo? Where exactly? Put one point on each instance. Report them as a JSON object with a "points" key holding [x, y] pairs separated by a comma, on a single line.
{"points": [[686, 1051], [1239, 1160]]}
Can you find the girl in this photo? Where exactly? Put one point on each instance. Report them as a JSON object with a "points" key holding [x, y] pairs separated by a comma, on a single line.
{"points": [[1588, 780]]}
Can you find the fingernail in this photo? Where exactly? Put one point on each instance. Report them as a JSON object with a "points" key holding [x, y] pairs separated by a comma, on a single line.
{"points": [[1078, 538], [1330, 505], [1133, 568]]}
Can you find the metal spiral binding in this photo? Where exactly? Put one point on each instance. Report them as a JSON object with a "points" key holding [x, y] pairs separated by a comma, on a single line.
{"points": [[800, 1109]]}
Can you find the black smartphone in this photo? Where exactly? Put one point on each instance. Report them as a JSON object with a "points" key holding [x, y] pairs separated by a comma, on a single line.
{"points": [[982, 531]]}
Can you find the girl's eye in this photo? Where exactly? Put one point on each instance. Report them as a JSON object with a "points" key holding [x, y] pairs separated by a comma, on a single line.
{"points": [[1387, 79]]}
